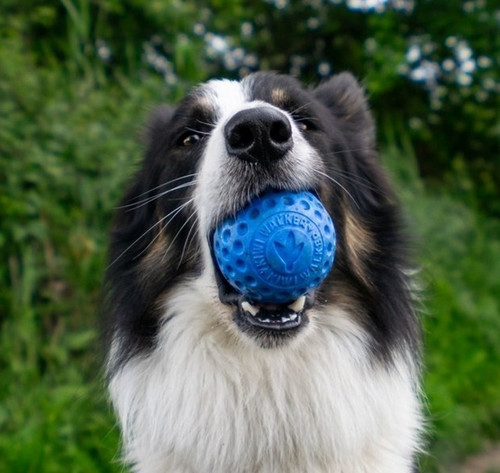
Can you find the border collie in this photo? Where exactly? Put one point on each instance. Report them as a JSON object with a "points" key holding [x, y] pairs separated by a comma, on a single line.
{"points": [[198, 387]]}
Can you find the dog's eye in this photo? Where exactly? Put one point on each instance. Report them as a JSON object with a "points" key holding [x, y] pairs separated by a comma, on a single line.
{"points": [[304, 123], [190, 139]]}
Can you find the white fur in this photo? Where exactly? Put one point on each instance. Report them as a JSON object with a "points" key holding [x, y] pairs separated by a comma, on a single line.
{"points": [[208, 400]]}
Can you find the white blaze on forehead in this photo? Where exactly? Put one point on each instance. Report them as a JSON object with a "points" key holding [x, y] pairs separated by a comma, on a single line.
{"points": [[227, 96]]}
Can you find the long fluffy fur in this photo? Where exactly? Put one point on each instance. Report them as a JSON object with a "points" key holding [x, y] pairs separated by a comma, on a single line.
{"points": [[194, 391]]}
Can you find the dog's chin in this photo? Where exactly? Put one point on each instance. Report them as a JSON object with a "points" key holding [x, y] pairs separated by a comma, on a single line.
{"points": [[269, 325], [272, 325]]}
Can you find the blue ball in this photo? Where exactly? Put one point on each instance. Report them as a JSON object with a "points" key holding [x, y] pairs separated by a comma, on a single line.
{"points": [[277, 248]]}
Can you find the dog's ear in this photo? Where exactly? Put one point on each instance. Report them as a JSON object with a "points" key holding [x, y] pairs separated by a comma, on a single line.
{"points": [[156, 128], [346, 100], [131, 218], [159, 120], [138, 245]]}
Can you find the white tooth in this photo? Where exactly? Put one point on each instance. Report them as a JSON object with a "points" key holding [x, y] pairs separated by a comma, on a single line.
{"points": [[285, 319], [266, 321], [293, 316], [247, 307], [298, 305]]}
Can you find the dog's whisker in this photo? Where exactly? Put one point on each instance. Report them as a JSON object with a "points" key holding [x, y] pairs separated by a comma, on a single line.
{"points": [[298, 117], [301, 118], [177, 199], [136, 241], [298, 109], [358, 180], [348, 151], [171, 215], [178, 233], [186, 176], [191, 235], [194, 130], [351, 176], [188, 241], [201, 122], [337, 183], [136, 205], [149, 244]]}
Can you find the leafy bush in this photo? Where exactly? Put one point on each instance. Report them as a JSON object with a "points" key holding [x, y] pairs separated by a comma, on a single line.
{"points": [[459, 252], [433, 65], [66, 150]]}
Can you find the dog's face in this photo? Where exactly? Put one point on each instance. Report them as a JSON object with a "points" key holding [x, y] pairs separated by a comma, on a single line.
{"points": [[223, 145]]}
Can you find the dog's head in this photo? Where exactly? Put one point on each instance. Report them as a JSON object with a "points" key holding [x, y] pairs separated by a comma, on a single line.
{"points": [[224, 144]]}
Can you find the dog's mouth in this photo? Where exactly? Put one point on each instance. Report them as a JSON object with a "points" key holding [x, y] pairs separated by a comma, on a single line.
{"points": [[259, 318], [275, 316]]}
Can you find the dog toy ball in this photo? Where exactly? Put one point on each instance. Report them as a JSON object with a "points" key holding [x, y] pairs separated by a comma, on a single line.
{"points": [[277, 248]]}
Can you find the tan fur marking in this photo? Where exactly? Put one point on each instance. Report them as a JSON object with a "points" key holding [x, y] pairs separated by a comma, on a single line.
{"points": [[278, 96], [203, 103], [155, 254], [359, 243]]}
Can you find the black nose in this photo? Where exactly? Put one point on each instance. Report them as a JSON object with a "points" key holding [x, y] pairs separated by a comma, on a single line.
{"points": [[258, 135]]}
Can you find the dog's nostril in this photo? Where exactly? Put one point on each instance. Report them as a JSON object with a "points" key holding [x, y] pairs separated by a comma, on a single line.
{"points": [[280, 131], [240, 137]]}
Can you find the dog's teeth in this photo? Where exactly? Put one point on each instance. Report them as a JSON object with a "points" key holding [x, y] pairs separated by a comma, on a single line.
{"points": [[293, 316], [247, 307], [266, 321], [298, 305], [285, 319]]}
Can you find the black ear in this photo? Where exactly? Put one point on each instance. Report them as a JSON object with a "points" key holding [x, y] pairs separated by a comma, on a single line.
{"points": [[156, 128], [346, 100], [367, 184], [132, 219], [137, 248]]}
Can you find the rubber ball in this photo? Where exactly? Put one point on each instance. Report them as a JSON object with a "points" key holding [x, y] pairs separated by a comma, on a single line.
{"points": [[277, 248]]}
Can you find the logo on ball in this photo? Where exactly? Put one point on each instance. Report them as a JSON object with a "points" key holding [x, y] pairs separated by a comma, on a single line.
{"points": [[288, 250], [287, 247]]}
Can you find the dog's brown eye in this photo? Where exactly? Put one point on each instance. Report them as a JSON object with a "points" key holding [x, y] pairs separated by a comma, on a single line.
{"points": [[191, 140], [304, 123]]}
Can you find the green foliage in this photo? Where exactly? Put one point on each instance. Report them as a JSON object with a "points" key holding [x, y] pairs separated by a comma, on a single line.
{"points": [[431, 64], [66, 151], [459, 251], [463, 326], [77, 79]]}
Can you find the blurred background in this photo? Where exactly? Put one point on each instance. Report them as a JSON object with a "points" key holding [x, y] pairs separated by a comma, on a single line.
{"points": [[77, 81]]}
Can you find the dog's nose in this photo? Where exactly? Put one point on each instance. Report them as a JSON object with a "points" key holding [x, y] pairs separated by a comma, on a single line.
{"points": [[261, 134]]}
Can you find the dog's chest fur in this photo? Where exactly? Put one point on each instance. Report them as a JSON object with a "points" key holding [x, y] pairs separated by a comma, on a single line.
{"points": [[218, 405]]}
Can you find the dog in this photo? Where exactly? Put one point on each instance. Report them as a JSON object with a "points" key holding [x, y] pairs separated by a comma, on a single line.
{"points": [[199, 382]]}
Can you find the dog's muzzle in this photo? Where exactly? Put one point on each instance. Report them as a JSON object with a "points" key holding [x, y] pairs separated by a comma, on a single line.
{"points": [[263, 138]]}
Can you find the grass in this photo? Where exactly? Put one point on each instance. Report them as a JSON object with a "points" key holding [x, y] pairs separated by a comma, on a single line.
{"points": [[66, 149]]}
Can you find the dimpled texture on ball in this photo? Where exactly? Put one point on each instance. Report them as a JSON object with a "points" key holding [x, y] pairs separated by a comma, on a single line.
{"points": [[277, 248]]}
